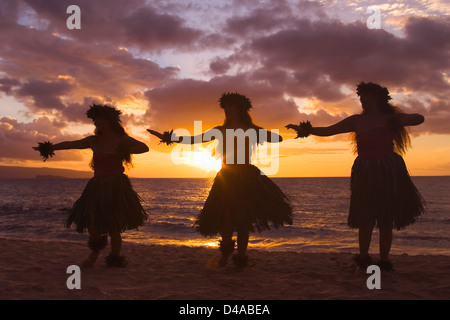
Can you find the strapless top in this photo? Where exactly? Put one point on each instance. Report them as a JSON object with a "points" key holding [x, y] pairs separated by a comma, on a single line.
{"points": [[375, 143], [107, 164]]}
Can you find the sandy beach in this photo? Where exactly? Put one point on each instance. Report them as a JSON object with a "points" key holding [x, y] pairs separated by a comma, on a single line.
{"points": [[37, 270]]}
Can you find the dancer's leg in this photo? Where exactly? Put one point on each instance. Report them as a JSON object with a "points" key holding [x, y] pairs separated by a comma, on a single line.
{"points": [[242, 242], [365, 237], [227, 243], [96, 243], [240, 259], [385, 243], [116, 243]]}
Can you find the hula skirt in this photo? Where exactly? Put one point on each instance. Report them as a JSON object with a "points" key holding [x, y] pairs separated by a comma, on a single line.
{"points": [[242, 195], [107, 205], [382, 191]]}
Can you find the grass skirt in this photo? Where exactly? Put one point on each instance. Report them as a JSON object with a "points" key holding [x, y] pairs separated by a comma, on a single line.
{"points": [[107, 205], [382, 190], [250, 200]]}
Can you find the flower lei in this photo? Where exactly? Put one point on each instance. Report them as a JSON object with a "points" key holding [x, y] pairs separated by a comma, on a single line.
{"points": [[45, 149], [167, 137], [304, 130]]}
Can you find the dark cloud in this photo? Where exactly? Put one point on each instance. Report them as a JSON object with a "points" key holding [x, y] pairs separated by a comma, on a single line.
{"points": [[219, 66], [8, 13], [76, 112], [349, 53], [7, 85], [17, 139], [45, 94], [122, 23], [262, 19], [149, 29], [271, 16], [185, 101]]}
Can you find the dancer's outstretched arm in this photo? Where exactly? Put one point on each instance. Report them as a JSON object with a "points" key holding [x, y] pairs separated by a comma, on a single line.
{"points": [[269, 136], [84, 143], [167, 138], [409, 119], [134, 146], [346, 125], [211, 135], [47, 149]]}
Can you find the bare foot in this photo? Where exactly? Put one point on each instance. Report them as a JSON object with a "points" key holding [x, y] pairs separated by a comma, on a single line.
{"points": [[223, 260], [90, 260]]}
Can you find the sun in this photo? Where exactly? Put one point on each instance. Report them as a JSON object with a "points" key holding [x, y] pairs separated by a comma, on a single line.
{"points": [[202, 158], [199, 157]]}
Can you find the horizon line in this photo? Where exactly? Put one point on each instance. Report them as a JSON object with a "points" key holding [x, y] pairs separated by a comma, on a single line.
{"points": [[50, 177]]}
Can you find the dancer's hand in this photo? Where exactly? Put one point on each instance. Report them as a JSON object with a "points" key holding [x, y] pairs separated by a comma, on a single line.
{"points": [[46, 149], [293, 126], [155, 133], [165, 137], [303, 130]]}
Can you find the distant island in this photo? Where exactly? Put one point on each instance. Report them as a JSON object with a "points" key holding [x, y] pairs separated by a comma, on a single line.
{"points": [[49, 176], [12, 172]]}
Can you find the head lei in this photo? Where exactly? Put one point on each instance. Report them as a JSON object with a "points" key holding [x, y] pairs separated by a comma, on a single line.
{"points": [[103, 111], [235, 98], [373, 88]]}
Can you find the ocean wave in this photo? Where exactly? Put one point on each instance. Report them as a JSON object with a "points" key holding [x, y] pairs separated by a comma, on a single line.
{"points": [[424, 238], [319, 219]]}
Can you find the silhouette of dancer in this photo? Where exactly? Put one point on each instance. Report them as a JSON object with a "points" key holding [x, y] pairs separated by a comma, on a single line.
{"points": [[382, 192], [241, 198], [108, 204]]}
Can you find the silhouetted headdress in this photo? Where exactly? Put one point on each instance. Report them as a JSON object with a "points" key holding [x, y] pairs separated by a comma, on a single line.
{"points": [[373, 88], [103, 111], [235, 98]]}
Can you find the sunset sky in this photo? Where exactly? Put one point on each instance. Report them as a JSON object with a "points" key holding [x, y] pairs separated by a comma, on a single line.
{"points": [[166, 63]]}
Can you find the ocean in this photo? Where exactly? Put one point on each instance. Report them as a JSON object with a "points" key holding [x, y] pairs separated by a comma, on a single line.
{"points": [[38, 208]]}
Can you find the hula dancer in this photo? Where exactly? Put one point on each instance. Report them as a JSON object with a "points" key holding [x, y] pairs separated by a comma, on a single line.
{"points": [[241, 199], [108, 204], [382, 192]]}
